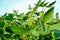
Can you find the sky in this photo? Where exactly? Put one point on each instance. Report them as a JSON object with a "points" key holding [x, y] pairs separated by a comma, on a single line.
{"points": [[22, 5]]}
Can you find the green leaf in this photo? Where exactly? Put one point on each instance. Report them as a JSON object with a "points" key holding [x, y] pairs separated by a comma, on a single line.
{"points": [[19, 30], [5, 14], [37, 5], [35, 9], [42, 25], [57, 16], [37, 13], [8, 30], [15, 12], [39, 2], [6, 36], [42, 3], [2, 24], [29, 7], [9, 17], [55, 26], [51, 4], [25, 17], [56, 34], [1, 32], [48, 15], [55, 31], [58, 38], [34, 32], [52, 22]]}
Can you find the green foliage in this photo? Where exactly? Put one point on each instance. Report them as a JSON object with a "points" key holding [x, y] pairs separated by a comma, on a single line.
{"points": [[30, 26], [48, 15], [1, 32], [19, 30], [51, 4], [29, 7], [57, 16], [8, 30], [2, 24], [9, 17], [7, 36], [43, 4], [55, 26]]}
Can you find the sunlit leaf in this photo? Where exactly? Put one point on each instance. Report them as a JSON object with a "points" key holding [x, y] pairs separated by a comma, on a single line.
{"points": [[19, 30], [37, 5], [42, 3], [35, 8], [52, 22], [49, 14], [55, 26], [35, 33], [39, 2], [51, 4]]}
